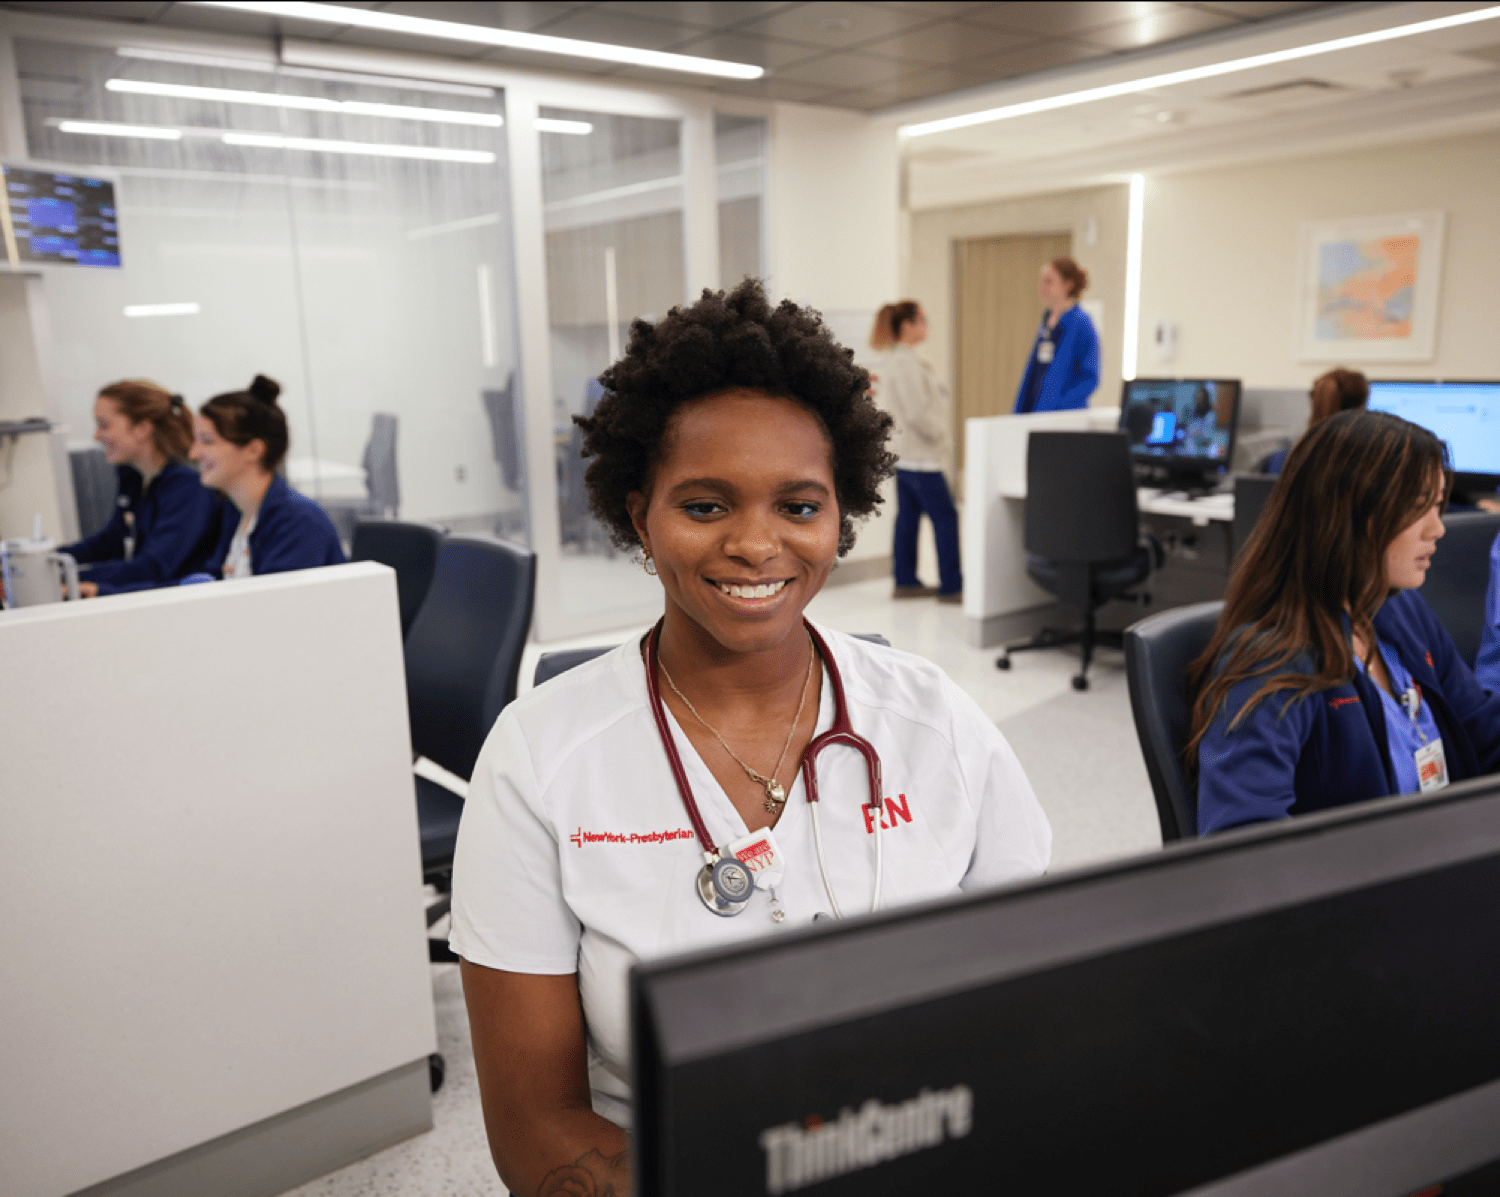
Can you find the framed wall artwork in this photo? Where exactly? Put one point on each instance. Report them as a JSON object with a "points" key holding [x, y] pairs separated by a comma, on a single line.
{"points": [[1368, 288]]}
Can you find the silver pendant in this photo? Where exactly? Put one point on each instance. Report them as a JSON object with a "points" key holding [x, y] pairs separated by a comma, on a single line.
{"points": [[725, 886]]}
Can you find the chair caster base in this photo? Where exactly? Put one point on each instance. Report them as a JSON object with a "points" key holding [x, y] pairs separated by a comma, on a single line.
{"points": [[1002, 662], [436, 1071], [1080, 682]]}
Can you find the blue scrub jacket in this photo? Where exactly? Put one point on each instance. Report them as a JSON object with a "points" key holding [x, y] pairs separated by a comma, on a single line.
{"points": [[1487, 664], [1329, 748], [1074, 372], [176, 528], [291, 532]]}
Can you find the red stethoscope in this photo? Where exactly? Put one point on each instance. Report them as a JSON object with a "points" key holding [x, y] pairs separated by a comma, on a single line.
{"points": [[724, 884]]}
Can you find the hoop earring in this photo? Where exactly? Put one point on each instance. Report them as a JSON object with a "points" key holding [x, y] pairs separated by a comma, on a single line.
{"points": [[648, 564]]}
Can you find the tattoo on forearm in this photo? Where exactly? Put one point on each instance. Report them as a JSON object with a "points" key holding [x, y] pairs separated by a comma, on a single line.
{"points": [[590, 1175]]}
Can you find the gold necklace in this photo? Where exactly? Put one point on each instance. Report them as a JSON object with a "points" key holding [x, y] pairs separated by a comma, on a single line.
{"points": [[775, 794]]}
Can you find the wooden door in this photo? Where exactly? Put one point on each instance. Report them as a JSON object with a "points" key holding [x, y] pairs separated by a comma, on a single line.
{"points": [[998, 311]]}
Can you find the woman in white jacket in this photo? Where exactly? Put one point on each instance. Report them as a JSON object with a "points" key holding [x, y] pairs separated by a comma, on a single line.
{"points": [[910, 390]]}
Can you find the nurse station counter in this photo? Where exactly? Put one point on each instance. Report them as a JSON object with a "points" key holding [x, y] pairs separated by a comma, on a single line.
{"points": [[216, 977]]}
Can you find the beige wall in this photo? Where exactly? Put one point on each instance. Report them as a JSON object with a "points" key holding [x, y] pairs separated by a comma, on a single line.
{"points": [[929, 268], [1220, 248]]}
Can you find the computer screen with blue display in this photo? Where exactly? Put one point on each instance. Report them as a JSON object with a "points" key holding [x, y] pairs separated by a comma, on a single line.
{"points": [[1181, 427], [1465, 414], [60, 218]]}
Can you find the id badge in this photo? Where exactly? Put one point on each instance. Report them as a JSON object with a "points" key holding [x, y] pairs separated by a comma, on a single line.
{"points": [[1432, 767], [760, 853], [1044, 351]]}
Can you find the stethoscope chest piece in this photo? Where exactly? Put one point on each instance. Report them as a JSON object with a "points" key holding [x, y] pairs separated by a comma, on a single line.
{"points": [[726, 886]]}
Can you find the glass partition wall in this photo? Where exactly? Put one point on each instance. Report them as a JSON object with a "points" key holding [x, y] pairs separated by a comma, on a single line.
{"points": [[344, 235]]}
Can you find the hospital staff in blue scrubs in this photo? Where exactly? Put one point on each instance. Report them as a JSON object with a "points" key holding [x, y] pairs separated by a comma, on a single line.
{"points": [[1329, 680], [165, 525], [268, 528], [1487, 666], [1063, 370]]}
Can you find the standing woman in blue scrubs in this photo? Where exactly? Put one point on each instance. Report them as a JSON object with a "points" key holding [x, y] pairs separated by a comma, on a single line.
{"points": [[1329, 680], [268, 528], [164, 526], [1064, 367]]}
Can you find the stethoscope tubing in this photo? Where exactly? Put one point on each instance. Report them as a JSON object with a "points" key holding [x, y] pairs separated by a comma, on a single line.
{"points": [[841, 733]]}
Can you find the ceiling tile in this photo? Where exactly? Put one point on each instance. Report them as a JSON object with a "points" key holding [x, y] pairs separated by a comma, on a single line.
{"points": [[617, 29], [837, 25], [1047, 19], [933, 8], [768, 52], [704, 14], [1156, 28], [1258, 10], [947, 42], [127, 10], [859, 100], [525, 17], [844, 70], [1037, 56], [792, 90]]}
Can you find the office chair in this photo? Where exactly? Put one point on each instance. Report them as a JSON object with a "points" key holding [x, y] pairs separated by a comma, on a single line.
{"points": [[549, 665], [95, 486], [1158, 651], [1459, 576], [463, 655], [1082, 533], [1250, 494], [409, 549]]}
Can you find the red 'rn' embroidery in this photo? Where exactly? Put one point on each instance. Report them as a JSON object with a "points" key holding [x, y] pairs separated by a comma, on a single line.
{"points": [[893, 807], [1430, 665], [1336, 703]]}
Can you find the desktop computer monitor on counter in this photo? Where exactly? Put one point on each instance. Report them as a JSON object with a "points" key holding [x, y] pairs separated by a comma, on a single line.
{"points": [[1304, 1007], [1465, 414], [1182, 429]]}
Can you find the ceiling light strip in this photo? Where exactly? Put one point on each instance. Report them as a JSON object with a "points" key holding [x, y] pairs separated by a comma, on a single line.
{"points": [[510, 39], [137, 310], [1133, 231], [110, 129], [547, 124], [1190, 74], [370, 149], [267, 99]]}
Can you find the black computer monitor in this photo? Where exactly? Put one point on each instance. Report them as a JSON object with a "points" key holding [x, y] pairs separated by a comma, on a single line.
{"points": [[1181, 429], [1465, 414], [1305, 1007], [57, 217]]}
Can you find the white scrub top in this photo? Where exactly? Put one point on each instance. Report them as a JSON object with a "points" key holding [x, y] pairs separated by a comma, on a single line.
{"points": [[575, 852]]}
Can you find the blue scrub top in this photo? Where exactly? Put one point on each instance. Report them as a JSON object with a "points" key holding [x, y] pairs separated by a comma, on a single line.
{"points": [[1405, 735], [1073, 374], [1487, 664]]}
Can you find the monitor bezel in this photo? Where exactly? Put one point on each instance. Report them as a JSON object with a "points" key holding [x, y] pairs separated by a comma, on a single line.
{"points": [[1181, 463]]}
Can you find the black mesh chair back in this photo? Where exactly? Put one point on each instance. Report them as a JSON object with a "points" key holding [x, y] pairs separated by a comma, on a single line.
{"points": [[464, 650], [1158, 651], [549, 665], [409, 549], [1459, 576], [95, 486], [1080, 497], [1250, 494]]}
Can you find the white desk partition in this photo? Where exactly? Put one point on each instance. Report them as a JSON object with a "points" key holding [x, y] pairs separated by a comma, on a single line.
{"points": [[998, 596], [215, 972]]}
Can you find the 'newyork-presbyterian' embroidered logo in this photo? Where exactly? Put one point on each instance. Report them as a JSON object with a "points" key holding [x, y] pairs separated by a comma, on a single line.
{"points": [[582, 837]]}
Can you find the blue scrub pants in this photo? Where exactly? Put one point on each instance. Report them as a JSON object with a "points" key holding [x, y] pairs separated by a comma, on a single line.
{"points": [[919, 493]]}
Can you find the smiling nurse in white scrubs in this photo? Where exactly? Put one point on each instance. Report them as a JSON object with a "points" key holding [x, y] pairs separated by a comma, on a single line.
{"points": [[656, 800]]}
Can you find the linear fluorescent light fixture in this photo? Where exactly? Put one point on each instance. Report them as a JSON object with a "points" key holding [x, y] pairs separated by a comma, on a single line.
{"points": [[1131, 87], [269, 99], [389, 22], [371, 149], [1133, 276], [547, 124], [137, 310], [110, 129]]}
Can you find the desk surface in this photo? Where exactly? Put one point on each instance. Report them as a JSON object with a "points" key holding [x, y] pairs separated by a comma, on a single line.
{"points": [[1202, 511]]}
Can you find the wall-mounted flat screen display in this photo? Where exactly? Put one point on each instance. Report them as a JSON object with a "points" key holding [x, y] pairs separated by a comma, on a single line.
{"points": [[1465, 414], [59, 218]]}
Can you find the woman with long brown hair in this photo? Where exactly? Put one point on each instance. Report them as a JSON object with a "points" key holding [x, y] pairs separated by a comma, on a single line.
{"points": [[1329, 680], [1337, 390], [164, 525]]}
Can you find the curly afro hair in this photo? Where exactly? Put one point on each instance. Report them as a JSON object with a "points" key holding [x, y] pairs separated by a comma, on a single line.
{"points": [[721, 343]]}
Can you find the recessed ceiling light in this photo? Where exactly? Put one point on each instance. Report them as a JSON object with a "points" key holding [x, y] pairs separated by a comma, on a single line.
{"points": [[372, 149], [268, 99], [110, 129], [546, 124], [137, 310], [389, 22], [1109, 91]]}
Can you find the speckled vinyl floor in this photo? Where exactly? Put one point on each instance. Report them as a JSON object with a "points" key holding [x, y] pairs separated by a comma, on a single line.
{"points": [[1078, 749]]}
